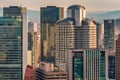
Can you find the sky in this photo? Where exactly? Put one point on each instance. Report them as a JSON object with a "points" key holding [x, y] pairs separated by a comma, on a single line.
{"points": [[91, 5]]}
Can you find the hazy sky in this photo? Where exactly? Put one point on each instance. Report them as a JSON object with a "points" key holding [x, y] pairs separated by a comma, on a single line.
{"points": [[91, 5]]}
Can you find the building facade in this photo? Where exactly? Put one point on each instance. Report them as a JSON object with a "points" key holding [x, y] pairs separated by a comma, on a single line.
{"points": [[77, 12], [49, 16], [111, 67], [88, 34], [33, 41], [14, 36], [109, 34], [70, 36], [65, 39], [47, 71], [87, 64], [117, 59], [12, 53]]}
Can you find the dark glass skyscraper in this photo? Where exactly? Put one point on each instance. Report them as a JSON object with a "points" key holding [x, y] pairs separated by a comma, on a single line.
{"points": [[11, 49], [13, 11], [48, 17], [109, 34], [111, 67], [13, 41]]}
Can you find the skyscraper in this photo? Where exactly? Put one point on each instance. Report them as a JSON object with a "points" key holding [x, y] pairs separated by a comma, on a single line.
{"points": [[48, 17], [11, 60], [110, 43], [77, 12], [87, 64], [63, 40], [14, 39], [111, 67], [88, 34], [68, 35], [109, 34], [117, 59], [33, 41]]}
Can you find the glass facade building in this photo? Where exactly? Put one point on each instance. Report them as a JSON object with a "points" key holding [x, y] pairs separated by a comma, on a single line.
{"points": [[78, 66], [11, 49], [13, 11], [14, 40], [87, 64], [111, 67], [49, 16], [109, 34]]}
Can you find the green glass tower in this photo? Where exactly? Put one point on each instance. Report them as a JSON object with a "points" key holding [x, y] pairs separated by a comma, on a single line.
{"points": [[78, 67], [13, 41], [10, 49], [87, 64]]}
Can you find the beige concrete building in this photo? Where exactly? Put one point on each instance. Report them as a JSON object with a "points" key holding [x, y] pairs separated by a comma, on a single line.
{"points": [[63, 40], [69, 36], [88, 34], [76, 12]]}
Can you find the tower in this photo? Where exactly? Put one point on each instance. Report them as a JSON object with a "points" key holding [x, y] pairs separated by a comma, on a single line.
{"points": [[88, 34], [14, 25], [87, 64], [117, 59], [109, 34], [49, 16], [64, 32], [77, 12]]}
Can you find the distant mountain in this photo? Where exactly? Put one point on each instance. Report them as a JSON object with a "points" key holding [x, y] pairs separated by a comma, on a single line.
{"points": [[99, 16], [33, 16]]}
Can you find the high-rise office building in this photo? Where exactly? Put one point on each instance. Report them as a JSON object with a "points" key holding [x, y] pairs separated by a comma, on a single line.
{"points": [[88, 34], [12, 56], [111, 67], [117, 59], [87, 64], [77, 12], [70, 36], [48, 17], [109, 34], [13, 43], [33, 41], [109, 43], [63, 40]]}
